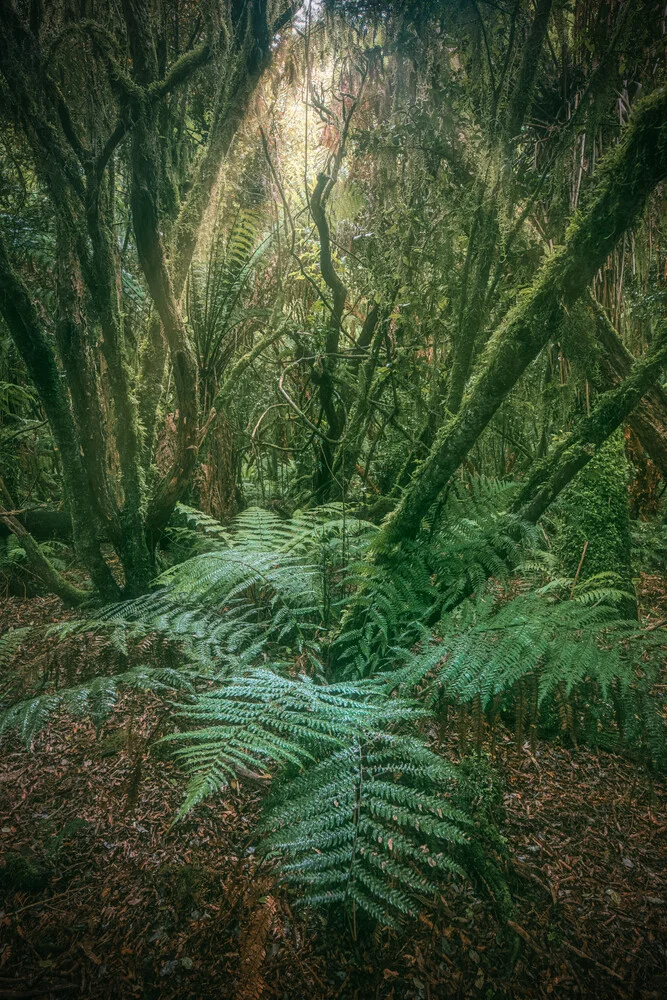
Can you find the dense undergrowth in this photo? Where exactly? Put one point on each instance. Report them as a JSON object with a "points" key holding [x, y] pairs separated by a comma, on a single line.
{"points": [[290, 653], [332, 407]]}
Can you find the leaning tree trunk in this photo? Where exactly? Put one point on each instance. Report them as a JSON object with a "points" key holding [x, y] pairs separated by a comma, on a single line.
{"points": [[550, 476], [649, 419], [624, 181]]}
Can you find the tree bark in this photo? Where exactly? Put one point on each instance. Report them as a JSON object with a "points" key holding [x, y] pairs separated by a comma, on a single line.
{"points": [[40, 361], [472, 314], [75, 355], [145, 163], [349, 449], [76, 170], [42, 566], [625, 179], [649, 419]]}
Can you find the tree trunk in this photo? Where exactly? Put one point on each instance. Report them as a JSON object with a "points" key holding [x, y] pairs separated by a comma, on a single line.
{"points": [[552, 474], [42, 566], [626, 178], [40, 361], [649, 419], [519, 103]]}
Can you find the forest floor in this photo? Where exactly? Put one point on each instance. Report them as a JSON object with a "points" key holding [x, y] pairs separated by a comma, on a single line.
{"points": [[123, 904]]}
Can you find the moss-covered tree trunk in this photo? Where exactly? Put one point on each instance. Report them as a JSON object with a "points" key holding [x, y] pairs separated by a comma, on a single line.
{"points": [[237, 85], [73, 162], [593, 536], [40, 361], [649, 419], [624, 181], [549, 477]]}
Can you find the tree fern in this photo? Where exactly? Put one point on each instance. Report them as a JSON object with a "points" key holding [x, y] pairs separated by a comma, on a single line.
{"points": [[215, 291], [361, 811], [266, 586], [472, 538], [487, 647], [262, 721]]}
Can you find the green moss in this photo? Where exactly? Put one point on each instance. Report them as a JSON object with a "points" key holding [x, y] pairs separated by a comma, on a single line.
{"points": [[594, 509]]}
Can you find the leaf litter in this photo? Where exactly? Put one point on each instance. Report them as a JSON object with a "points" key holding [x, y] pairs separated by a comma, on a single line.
{"points": [[108, 899]]}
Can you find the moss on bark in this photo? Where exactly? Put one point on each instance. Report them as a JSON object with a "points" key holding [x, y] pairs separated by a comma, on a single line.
{"points": [[625, 179]]}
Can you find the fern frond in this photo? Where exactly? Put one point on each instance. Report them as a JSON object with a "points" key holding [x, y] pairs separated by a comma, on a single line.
{"points": [[10, 642], [372, 825], [265, 721], [95, 698]]}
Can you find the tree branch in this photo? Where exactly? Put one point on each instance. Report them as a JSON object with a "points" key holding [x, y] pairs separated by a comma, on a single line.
{"points": [[550, 476], [649, 419], [43, 567], [624, 181]]}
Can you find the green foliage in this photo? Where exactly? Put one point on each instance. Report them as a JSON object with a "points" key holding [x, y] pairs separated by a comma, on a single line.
{"points": [[541, 649], [649, 545], [261, 720], [215, 293], [95, 698], [486, 646], [471, 538], [594, 510], [372, 825], [10, 642], [15, 570], [267, 585], [362, 811], [194, 532]]}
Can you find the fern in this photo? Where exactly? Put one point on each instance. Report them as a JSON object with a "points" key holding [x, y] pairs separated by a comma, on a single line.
{"points": [[361, 811], [198, 530], [10, 642], [472, 538], [214, 293], [487, 648], [362, 814], [95, 698], [372, 826], [264, 721], [265, 588]]}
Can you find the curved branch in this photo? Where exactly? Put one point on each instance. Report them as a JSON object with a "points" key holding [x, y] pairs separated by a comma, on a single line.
{"points": [[329, 273], [649, 419]]}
